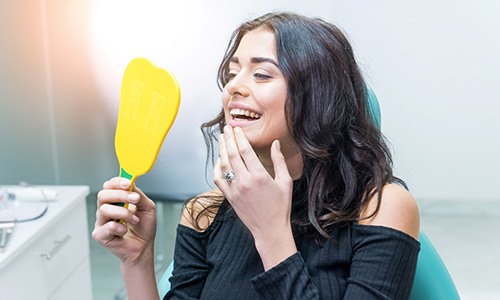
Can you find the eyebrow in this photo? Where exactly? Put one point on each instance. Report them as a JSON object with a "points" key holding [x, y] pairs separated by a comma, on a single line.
{"points": [[255, 60]]}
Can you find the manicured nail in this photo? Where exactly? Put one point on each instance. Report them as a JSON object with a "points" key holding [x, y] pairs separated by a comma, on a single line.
{"points": [[278, 145], [133, 197], [237, 129], [135, 219], [124, 183]]}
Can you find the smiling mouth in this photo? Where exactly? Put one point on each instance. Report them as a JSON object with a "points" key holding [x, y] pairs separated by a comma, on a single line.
{"points": [[242, 114]]}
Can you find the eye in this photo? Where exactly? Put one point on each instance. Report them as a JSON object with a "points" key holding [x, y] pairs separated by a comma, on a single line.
{"points": [[262, 76], [230, 75]]}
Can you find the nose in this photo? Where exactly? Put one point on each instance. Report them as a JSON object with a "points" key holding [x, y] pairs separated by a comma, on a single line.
{"points": [[238, 86]]}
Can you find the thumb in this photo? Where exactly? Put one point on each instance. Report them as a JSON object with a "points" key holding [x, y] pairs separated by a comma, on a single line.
{"points": [[144, 202], [279, 163]]}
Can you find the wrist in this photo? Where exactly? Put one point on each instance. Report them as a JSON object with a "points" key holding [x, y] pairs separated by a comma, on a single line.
{"points": [[274, 249], [140, 278], [139, 260]]}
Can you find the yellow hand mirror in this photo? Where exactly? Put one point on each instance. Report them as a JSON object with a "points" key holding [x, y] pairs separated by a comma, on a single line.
{"points": [[149, 101]]}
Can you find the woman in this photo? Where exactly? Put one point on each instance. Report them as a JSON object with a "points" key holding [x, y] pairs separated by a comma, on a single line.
{"points": [[307, 206]]}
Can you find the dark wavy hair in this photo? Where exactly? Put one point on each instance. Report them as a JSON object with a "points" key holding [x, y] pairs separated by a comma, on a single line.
{"points": [[346, 158]]}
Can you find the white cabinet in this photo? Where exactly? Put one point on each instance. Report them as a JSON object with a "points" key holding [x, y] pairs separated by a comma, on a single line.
{"points": [[49, 258]]}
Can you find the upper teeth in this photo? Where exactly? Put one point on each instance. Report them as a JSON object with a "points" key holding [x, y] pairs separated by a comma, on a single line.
{"points": [[243, 112]]}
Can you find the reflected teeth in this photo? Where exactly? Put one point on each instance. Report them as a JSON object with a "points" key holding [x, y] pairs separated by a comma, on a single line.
{"points": [[236, 112]]}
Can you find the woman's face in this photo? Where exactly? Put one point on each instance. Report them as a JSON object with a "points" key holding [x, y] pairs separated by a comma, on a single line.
{"points": [[254, 98]]}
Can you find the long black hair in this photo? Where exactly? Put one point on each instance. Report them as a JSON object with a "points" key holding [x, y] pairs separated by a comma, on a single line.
{"points": [[346, 158]]}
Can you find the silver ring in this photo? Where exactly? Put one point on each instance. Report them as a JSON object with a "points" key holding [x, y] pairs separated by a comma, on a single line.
{"points": [[229, 176]]}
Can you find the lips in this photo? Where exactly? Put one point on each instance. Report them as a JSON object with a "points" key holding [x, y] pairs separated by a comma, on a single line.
{"points": [[243, 114]]}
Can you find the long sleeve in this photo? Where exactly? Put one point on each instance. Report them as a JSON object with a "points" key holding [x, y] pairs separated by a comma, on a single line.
{"points": [[288, 280], [190, 264], [383, 264], [358, 262]]}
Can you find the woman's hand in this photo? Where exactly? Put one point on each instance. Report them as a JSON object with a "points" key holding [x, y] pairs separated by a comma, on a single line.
{"points": [[263, 203], [133, 241]]}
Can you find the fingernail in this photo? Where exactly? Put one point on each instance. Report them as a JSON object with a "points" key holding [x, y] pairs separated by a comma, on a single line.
{"points": [[237, 129], [226, 129], [124, 182], [133, 197], [278, 146], [135, 219]]}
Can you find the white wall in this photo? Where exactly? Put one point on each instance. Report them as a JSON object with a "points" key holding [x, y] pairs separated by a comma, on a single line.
{"points": [[434, 65], [431, 63]]}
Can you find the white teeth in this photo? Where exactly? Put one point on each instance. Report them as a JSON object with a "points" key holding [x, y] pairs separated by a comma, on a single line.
{"points": [[242, 112]]}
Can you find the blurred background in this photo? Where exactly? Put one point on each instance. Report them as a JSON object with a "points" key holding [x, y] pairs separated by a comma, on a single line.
{"points": [[433, 65]]}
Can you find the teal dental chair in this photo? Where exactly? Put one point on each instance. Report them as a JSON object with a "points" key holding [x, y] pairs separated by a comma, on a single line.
{"points": [[432, 280]]}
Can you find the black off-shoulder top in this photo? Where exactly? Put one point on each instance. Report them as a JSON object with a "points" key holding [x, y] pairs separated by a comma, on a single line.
{"points": [[359, 262]]}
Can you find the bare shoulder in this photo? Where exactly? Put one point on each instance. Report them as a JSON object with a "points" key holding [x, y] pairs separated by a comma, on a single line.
{"points": [[200, 211], [398, 210]]}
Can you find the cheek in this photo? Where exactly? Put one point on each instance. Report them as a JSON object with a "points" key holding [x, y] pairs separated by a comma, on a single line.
{"points": [[225, 97]]}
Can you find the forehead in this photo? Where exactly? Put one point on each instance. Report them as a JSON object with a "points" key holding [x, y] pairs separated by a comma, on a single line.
{"points": [[259, 42]]}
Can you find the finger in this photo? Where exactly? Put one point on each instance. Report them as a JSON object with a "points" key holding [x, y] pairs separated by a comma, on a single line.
{"points": [[108, 212], [108, 232], [217, 172], [223, 158], [246, 152], [117, 196], [117, 183], [143, 202], [222, 165], [281, 172], [233, 152], [219, 180]]}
